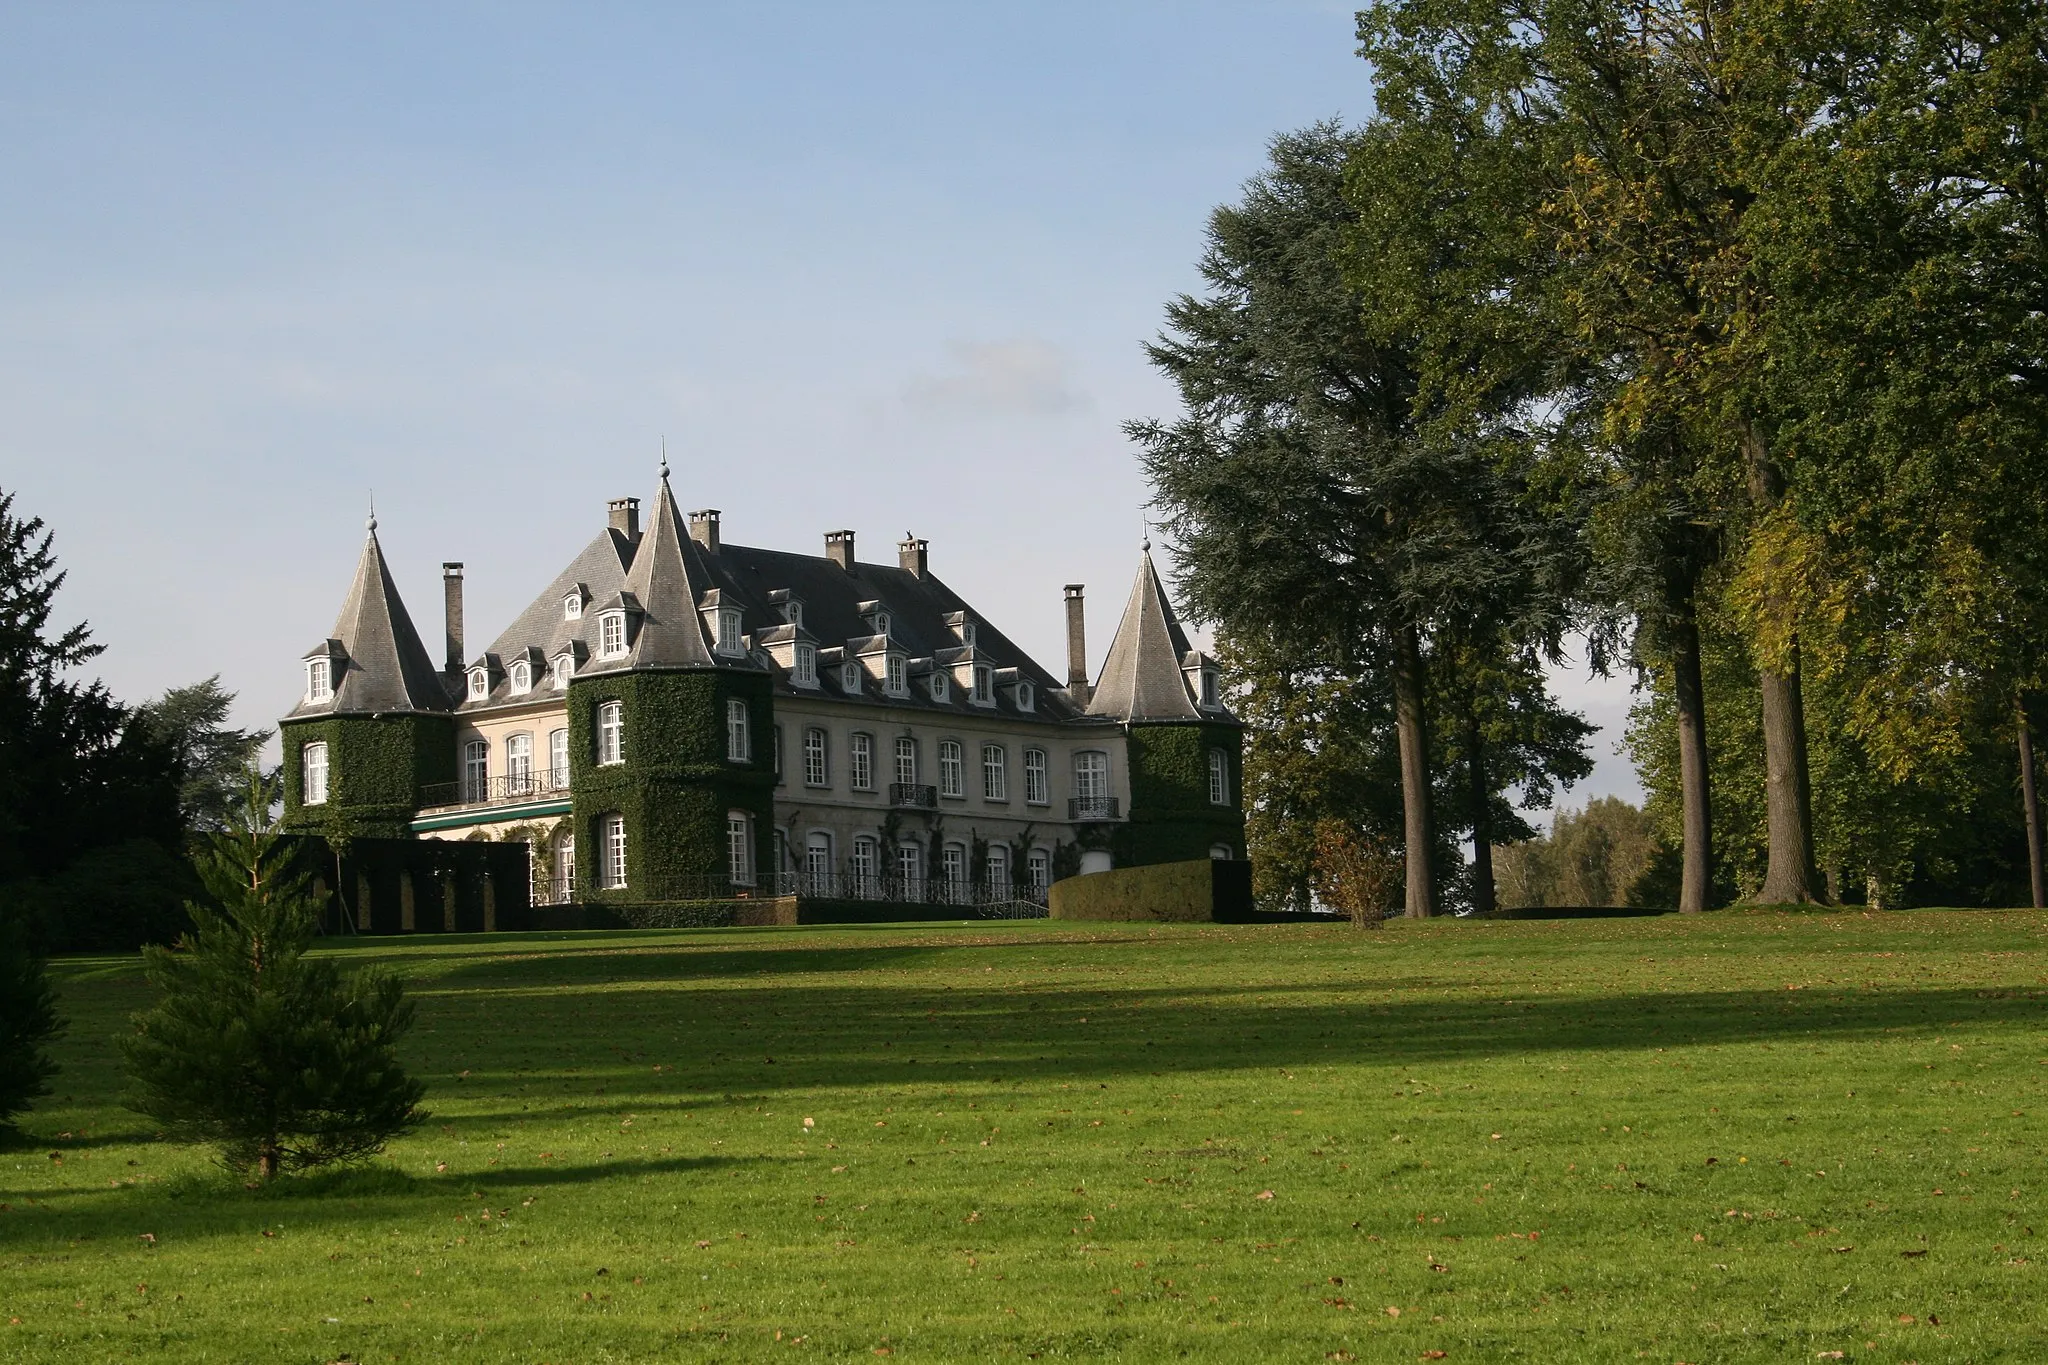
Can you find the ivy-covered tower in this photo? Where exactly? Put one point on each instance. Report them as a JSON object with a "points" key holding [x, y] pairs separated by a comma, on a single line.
{"points": [[671, 733], [1184, 748], [374, 727]]}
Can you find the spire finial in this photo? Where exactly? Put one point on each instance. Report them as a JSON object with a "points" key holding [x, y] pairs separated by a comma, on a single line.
{"points": [[664, 459], [1144, 533], [371, 524]]}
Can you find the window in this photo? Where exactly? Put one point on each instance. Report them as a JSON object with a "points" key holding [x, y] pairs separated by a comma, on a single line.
{"points": [[906, 760], [518, 765], [1209, 687], [849, 678], [867, 864], [952, 774], [967, 634], [479, 684], [1219, 778], [780, 852], [558, 760], [613, 829], [1091, 775], [476, 770], [998, 870], [565, 669], [739, 846], [565, 867], [319, 681], [938, 686], [572, 607], [995, 773], [880, 621], [794, 613], [729, 641], [313, 774], [953, 864], [522, 677], [739, 744], [910, 868], [984, 685], [862, 762], [1220, 852], [1025, 700], [1038, 871], [896, 685], [806, 671], [817, 767], [777, 746], [818, 860], [611, 634], [611, 733], [1034, 777]]}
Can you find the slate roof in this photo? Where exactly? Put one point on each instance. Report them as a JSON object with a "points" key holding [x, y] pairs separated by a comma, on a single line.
{"points": [[1142, 679], [385, 668], [669, 633]]}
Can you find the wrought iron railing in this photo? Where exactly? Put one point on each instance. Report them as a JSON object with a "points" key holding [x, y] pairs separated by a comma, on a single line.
{"points": [[492, 791], [976, 899], [1091, 808], [914, 795]]}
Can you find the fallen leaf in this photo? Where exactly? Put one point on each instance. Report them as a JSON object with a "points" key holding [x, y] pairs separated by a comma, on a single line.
{"points": [[1265, 1194], [1434, 1355]]}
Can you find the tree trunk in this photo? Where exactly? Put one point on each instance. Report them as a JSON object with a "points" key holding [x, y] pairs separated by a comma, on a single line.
{"points": [[1483, 898], [1790, 876], [1419, 839], [1695, 892], [267, 1162], [2030, 799]]}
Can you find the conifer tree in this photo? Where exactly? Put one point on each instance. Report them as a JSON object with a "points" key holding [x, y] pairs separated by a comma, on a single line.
{"points": [[275, 1057], [28, 1019]]}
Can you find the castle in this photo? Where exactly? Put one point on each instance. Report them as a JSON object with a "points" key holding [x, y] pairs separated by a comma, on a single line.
{"points": [[676, 717]]}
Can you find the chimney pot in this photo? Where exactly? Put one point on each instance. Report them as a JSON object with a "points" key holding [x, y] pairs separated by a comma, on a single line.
{"points": [[839, 549], [451, 600], [912, 554], [1077, 645], [704, 529], [625, 516]]}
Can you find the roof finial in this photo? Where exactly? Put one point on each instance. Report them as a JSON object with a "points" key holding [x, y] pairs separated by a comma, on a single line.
{"points": [[664, 459], [371, 524], [1144, 533]]}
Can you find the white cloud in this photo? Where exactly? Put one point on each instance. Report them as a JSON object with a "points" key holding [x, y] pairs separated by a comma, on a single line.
{"points": [[1022, 377]]}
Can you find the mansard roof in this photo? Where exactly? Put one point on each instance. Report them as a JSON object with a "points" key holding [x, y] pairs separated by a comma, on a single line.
{"points": [[1141, 679], [384, 667]]}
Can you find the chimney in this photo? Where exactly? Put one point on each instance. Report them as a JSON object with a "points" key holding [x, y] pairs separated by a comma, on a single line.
{"points": [[1077, 646], [704, 529], [910, 553], [625, 516], [839, 549], [451, 597]]}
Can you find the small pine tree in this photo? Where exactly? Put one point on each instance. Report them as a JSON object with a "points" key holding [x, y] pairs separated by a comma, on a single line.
{"points": [[28, 1019], [274, 1056]]}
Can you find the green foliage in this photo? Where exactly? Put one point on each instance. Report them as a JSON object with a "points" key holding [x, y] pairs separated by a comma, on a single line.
{"points": [[213, 755], [272, 1056], [1171, 816], [1591, 857], [377, 768], [28, 1022], [110, 899]]}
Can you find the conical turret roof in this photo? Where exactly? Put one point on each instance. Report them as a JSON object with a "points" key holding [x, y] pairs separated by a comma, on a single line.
{"points": [[386, 668], [661, 584], [1141, 679]]}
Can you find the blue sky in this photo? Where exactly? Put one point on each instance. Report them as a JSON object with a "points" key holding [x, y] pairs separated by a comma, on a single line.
{"points": [[885, 266]]}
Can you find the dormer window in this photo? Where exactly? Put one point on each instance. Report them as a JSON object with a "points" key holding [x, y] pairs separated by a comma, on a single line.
{"points": [[794, 613], [572, 606], [1025, 701], [565, 669], [880, 621], [479, 684], [1209, 688], [849, 678], [967, 634], [320, 680], [729, 641], [611, 634], [938, 687], [522, 677], [896, 682], [805, 672], [984, 685]]}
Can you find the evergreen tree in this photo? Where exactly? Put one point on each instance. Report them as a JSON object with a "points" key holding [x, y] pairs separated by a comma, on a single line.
{"points": [[28, 1020], [273, 1056], [214, 755]]}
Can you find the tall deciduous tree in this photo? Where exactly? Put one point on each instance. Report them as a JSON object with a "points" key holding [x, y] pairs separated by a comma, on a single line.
{"points": [[213, 755]]}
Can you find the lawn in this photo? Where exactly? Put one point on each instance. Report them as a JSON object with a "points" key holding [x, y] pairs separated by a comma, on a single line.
{"points": [[1741, 1137]]}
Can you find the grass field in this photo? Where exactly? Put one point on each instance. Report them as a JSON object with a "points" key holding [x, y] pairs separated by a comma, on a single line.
{"points": [[1743, 1137]]}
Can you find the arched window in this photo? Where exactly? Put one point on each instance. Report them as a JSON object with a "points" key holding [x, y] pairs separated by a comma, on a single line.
{"points": [[1221, 852], [861, 762], [572, 606], [565, 865], [522, 677], [557, 778], [1037, 790], [611, 733], [1038, 872], [953, 865], [910, 869], [867, 865], [939, 692], [805, 673], [906, 760], [984, 685], [1219, 778], [476, 770], [612, 832], [849, 679], [995, 773], [997, 873], [518, 765], [897, 687], [729, 641], [479, 684], [319, 681], [817, 762], [739, 846], [818, 862], [1025, 699], [1091, 775], [313, 774], [952, 769], [611, 634], [565, 669], [739, 743]]}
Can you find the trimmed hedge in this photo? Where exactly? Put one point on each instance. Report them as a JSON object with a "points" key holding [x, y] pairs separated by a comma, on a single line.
{"points": [[1198, 890]]}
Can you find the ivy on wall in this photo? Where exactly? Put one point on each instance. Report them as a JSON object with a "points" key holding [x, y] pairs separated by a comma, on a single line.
{"points": [[1171, 816], [675, 784], [376, 767]]}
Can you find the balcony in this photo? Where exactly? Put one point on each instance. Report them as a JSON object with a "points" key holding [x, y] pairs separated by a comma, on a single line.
{"points": [[913, 796], [1091, 808], [537, 784]]}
